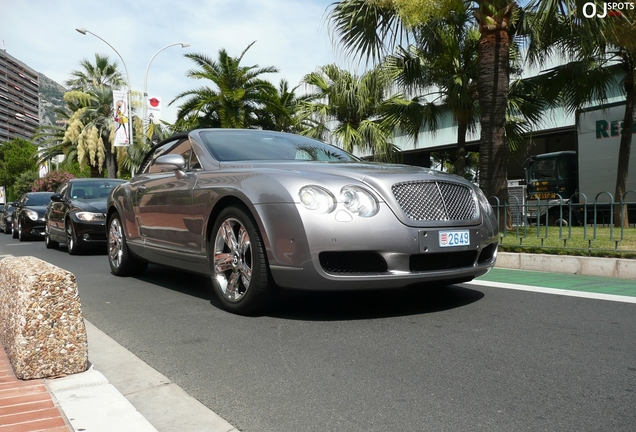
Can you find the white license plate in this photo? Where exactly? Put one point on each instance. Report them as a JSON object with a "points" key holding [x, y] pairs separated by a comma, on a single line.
{"points": [[454, 238]]}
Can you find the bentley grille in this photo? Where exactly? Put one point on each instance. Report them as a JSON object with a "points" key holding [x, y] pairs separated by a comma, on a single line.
{"points": [[435, 201]]}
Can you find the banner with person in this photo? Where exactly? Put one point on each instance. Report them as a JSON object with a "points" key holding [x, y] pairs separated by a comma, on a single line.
{"points": [[121, 123]]}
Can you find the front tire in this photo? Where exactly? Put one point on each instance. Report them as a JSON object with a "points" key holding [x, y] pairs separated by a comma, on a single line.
{"points": [[74, 248], [21, 236], [240, 275], [122, 262]]}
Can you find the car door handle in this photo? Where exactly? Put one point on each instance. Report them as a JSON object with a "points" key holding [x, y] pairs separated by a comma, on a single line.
{"points": [[141, 189]]}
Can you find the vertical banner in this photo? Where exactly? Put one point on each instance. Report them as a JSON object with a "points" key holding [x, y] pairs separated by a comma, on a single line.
{"points": [[121, 125], [154, 109]]}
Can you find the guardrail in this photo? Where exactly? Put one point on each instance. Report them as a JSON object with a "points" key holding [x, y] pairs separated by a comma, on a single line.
{"points": [[574, 223]]}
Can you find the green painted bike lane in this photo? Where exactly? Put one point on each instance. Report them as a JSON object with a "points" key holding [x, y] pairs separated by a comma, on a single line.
{"points": [[592, 284]]}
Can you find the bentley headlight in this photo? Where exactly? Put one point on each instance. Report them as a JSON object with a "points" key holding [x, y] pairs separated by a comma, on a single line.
{"points": [[33, 215], [90, 216], [317, 199], [359, 201]]}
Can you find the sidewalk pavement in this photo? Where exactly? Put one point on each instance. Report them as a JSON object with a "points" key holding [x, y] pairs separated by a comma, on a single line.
{"points": [[120, 392]]}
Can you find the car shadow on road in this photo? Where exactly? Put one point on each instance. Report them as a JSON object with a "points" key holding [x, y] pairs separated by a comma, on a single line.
{"points": [[356, 305], [87, 251], [191, 284], [326, 306]]}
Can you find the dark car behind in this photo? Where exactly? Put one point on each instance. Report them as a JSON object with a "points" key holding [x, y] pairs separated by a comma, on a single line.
{"points": [[5, 218], [76, 214], [29, 215]]}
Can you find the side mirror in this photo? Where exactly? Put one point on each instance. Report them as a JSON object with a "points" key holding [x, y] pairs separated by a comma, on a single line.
{"points": [[172, 162], [57, 198]]}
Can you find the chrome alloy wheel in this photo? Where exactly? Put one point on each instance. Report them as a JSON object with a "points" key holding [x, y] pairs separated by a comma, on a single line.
{"points": [[233, 259], [115, 243]]}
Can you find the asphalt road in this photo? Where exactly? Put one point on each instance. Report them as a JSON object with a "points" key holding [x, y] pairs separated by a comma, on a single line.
{"points": [[468, 358]]}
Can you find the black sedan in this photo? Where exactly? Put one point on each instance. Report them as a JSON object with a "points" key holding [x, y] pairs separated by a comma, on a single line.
{"points": [[5, 218], [76, 214], [28, 220]]}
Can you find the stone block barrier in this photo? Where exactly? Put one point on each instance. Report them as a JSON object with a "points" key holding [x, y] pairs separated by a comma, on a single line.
{"points": [[41, 322]]}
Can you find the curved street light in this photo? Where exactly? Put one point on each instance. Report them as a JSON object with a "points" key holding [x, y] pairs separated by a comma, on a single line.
{"points": [[83, 31], [145, 95]]}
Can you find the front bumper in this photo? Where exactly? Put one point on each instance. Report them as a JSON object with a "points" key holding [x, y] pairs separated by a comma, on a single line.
{"points": [[333, 252], [33, 228], [90, 232]]}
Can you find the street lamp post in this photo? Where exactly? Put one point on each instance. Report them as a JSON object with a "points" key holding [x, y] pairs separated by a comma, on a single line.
{"points": [[83, 31], [145, 96]]}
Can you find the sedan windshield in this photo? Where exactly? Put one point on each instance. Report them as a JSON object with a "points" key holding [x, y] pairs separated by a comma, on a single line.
{"points": [[252, 146], [91, 190], [38, 199]]}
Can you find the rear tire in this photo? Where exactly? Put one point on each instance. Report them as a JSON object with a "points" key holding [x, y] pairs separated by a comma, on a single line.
{"points": [[554, 219], [122, 262], [238, 264], [50, 244]]}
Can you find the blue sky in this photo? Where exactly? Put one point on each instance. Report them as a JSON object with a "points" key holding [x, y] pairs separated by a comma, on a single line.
{"points": [[291, 35]]}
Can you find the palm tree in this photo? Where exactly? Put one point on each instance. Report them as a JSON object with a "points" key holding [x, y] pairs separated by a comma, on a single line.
{"points": [[443, 61], [87, 135], [101, 74], [495, 19], [281, 111], [90, 129], [371, 28], [51, 138], [594, 44], [349, 109], [233, 102]]}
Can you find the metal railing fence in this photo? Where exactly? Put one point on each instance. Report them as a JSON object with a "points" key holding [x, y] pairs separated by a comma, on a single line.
{"points": [[572, 223]]}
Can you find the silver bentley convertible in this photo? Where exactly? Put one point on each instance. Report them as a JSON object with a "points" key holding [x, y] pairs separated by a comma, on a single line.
{"points": [[257, 209]]}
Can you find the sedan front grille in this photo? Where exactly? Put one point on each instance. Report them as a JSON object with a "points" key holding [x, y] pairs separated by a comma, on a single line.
{"points": [[435, 201]]}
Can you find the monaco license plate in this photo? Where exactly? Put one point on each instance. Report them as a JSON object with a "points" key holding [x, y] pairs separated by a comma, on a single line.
{"points": [[454, 238]]}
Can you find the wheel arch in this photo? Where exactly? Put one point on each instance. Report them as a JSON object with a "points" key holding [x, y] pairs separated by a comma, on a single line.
{"points": [[233, 200]]}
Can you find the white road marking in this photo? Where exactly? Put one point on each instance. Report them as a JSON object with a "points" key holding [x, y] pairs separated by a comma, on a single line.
{"points": [[557, 291]]}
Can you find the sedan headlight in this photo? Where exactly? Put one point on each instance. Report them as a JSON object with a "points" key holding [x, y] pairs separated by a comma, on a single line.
{"points": [[90, 216], [31, 214], [359, 201], [317, 199]]}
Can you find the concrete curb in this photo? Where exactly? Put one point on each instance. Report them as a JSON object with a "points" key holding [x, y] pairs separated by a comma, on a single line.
{"points": [[90, 403], [128, 395], [589, 266]]}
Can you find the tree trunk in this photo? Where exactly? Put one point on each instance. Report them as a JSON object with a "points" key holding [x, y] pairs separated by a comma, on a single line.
{"points": [[460, 155], [493, 84], [95, 171], [111, 164], [622, 171]]}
